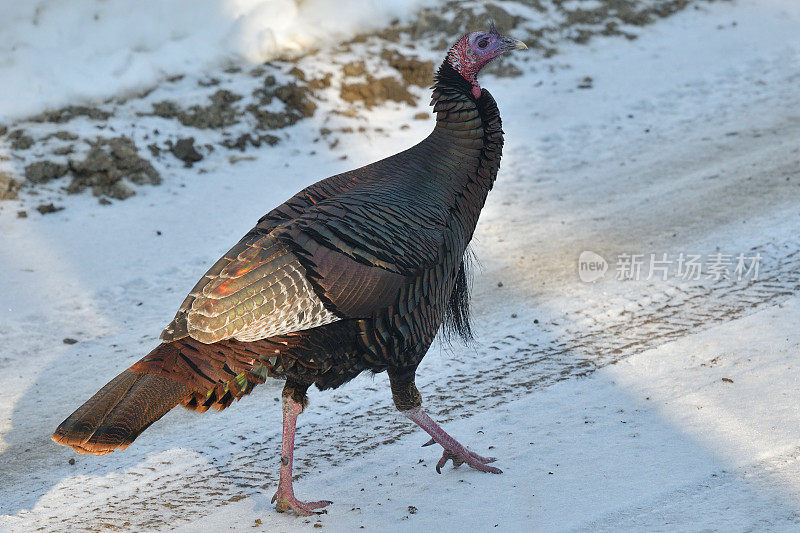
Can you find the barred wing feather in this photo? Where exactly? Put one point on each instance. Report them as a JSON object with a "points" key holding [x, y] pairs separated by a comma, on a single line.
{"points": [[257, 290]]}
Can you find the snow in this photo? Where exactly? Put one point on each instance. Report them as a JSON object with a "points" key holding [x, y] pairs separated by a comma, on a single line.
{"points": [[55, 53], [619, 405], [572, 5]]}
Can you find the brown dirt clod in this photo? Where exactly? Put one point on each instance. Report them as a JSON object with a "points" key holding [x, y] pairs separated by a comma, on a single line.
{"points": [[9, 187], [376, 91], [107, 163], [46, 209], [44, 171], [184, 150], [220, 113]]}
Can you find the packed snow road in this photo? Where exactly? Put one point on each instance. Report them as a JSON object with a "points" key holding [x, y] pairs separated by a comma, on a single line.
{"points": [[644, 400]]}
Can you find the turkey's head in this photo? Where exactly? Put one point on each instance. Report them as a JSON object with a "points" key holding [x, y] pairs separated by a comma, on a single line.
{"points": [[474, 50]]}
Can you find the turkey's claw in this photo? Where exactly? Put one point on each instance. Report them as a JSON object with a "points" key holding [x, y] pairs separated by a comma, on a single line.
{"points": [[472, 459], [453, 450], [287, 502]]}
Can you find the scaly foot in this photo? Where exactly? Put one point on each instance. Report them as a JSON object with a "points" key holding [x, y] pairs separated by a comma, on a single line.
{"points": [[473, 460], [461, 455], [287, 502], [453, 450]]}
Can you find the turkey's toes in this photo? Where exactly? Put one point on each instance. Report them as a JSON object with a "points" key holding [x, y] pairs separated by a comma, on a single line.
{"points": [[482, 459], [287, 502], [472, 459]]}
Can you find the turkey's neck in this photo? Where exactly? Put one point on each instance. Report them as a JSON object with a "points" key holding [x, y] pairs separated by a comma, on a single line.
{"points": [[469, 134], [470, 127]]}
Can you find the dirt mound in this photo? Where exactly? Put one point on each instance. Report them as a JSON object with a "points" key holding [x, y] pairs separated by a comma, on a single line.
{"points": [[109, 164], [220, 113]]}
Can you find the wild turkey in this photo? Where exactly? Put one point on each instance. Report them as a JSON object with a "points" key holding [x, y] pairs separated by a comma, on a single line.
{"points": [[356, 272]]}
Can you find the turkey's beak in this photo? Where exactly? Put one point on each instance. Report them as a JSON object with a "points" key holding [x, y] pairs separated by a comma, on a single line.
{"points": [[513, 44]]}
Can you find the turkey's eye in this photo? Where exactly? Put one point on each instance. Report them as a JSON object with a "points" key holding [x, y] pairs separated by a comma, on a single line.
{"points": [[483, 43]]}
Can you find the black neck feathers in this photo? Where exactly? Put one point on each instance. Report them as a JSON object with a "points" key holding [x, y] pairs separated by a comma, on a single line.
{"points": [[469, 122], [448, 78], [452, 91]]}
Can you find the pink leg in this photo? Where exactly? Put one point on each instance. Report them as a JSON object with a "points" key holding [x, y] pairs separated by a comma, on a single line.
{"points": [[453, 450], [285, 494]]}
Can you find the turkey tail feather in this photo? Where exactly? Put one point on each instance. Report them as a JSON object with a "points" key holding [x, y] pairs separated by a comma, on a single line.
{"points": [[119, 412], [185, 371]]}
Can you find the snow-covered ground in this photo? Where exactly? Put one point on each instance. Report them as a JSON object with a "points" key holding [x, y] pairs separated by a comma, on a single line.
{"points": [[642, 404], [54, 52]]}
